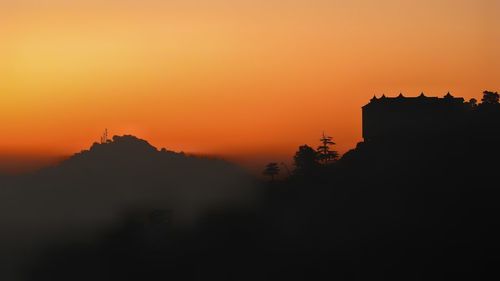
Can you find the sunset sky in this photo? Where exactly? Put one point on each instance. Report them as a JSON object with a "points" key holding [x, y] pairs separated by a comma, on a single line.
{"points": [[248, 80]]}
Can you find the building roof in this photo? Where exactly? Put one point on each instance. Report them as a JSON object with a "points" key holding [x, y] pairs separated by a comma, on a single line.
{"points": [[421, 99]]}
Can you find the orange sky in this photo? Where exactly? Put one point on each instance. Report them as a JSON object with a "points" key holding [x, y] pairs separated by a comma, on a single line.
{"points": [[244, 79]]}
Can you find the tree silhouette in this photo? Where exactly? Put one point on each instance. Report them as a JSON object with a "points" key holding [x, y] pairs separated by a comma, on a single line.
{"points": [[473, 103], [490, 97], [325, 154], [305, 160], [271, 170]]}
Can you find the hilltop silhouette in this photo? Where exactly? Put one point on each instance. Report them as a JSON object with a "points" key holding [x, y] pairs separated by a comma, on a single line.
{"points": [[417, 199], [129, 169], [93, 189]]}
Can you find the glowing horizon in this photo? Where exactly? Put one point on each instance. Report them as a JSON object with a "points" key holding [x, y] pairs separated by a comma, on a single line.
{"points": [[240, 79]]}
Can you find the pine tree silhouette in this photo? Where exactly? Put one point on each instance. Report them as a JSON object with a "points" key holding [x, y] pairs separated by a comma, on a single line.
{"points": [[324, 153]]}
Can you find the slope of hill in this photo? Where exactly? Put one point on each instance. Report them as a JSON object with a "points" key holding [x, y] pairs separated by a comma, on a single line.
{"points": [[93, 188]]}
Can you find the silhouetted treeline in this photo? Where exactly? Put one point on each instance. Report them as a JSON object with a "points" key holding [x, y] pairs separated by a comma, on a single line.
{"points": [[422, 208]]}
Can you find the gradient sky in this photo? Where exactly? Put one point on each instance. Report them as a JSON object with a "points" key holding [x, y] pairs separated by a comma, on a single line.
{"points": [[244, 79]]}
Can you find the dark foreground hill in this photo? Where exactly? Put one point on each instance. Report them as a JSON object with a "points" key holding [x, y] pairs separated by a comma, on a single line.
{"points": [[418, 210], [94, 189], [411, 208]]}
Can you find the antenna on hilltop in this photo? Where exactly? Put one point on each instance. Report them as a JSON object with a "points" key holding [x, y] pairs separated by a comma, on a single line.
{"points": [[104, 137]]}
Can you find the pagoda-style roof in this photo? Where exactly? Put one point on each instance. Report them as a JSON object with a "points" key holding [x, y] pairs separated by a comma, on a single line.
{"points": [[421, 99], [448, 96]]}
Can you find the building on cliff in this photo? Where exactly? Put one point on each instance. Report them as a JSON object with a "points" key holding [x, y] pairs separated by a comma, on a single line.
{"points": [[390, 118]]}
